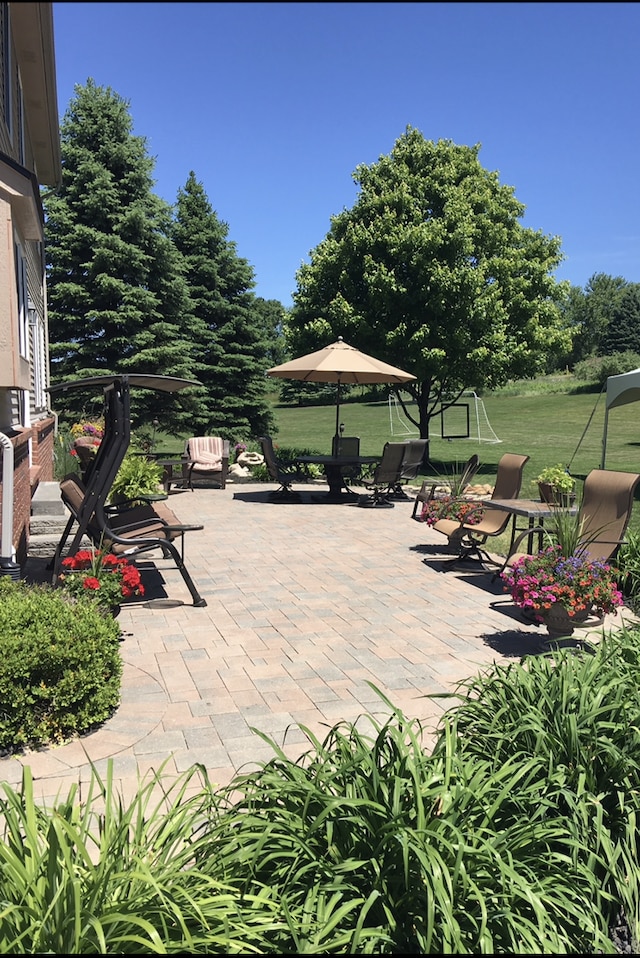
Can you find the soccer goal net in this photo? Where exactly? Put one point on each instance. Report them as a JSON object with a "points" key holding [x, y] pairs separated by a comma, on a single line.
{"points": [[465, 419]]}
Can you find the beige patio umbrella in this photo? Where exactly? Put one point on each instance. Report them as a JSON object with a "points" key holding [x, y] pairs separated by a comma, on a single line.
{"points": [[340, 363]]}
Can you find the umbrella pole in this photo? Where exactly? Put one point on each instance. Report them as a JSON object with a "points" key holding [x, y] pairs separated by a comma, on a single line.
{"points": [[338, 411]]}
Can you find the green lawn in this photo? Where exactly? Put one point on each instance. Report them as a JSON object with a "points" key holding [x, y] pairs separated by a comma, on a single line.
{"points": [[548, 427]]}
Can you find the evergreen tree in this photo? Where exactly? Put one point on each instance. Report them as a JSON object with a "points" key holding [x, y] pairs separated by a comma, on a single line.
{"points": [[118, 302], [588, 315], [234, 333], [623, 332]]}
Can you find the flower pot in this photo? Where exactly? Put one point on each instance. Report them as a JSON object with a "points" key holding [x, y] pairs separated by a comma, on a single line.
{"points": [[558, 621], [554, 496]]}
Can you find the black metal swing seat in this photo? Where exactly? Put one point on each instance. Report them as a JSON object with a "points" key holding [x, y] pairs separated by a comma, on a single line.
{"points": [[125, 531]]}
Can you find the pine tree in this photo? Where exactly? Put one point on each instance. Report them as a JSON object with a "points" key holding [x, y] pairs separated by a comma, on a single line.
{"points": [[117, 299], [233, 330], [623, 332]]}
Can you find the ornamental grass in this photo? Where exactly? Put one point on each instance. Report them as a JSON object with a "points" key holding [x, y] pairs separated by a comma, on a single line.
{"points": [[515, 833]]}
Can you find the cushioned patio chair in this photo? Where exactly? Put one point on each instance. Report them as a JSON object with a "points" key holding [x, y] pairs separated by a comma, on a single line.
{"points": [[603, 516], [471, 538], [385, 477], [283, 471], [207, 457]]}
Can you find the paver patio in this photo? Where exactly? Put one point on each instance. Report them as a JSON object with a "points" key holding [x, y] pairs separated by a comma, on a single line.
{"points": [[311, 607]]}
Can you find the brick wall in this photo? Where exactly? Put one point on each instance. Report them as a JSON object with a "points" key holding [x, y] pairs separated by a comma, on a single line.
{"points": [[25, 479]]}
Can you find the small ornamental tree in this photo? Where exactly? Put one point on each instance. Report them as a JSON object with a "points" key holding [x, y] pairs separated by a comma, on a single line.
{"points": [[431, 271]]}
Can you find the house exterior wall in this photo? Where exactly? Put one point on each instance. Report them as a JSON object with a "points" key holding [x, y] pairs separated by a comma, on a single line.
{"points": [[29, 158]]}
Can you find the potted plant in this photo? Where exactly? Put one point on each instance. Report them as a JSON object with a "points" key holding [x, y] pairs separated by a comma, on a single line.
{"points": [[102, 576], [562, 590], [556, 486], [451, 507], [137, 478]]}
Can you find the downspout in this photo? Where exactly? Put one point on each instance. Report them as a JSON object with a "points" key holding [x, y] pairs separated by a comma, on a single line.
{"points": [[7, 553]]}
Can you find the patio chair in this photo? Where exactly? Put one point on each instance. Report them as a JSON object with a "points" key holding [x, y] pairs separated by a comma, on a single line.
{"points": [[411, 464], [471, 538], [455, 486], [385, 477], [603, 516], [125, 530], [347, 446], [207, 457], [283, 471]]}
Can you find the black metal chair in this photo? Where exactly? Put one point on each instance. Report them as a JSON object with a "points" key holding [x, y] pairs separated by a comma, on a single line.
{"points": [[386, 476], [283, 471], [347, 446], [413, 459]]}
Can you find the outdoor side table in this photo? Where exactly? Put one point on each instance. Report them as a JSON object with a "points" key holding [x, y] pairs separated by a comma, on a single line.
{"points": [[534, 511]]}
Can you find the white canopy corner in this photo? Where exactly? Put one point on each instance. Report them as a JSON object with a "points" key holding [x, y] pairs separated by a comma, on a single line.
{"points": [[621, 390]]}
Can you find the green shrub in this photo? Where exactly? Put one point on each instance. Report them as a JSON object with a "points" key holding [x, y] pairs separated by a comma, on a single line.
{"points": [[596, 369], [60, 665], [137, 477], [628, 561]]}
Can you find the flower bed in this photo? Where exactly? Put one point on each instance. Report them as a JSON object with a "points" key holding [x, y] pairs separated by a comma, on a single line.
{"points": [[105, 577]]}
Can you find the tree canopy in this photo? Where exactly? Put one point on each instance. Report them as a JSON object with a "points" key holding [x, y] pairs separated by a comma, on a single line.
{"points": [[431, 271]]}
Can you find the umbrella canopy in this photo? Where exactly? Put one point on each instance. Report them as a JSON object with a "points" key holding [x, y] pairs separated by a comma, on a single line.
{"points": [[340, 363]]}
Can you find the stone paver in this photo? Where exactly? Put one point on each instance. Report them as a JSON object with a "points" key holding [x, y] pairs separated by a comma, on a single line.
{"points": [[317, 612]]}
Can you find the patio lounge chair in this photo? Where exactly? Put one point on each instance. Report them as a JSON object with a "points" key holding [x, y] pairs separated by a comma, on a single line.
{"points": [[603, 516], [471, 538], [207, 458], [385, 478], [284, 472]]}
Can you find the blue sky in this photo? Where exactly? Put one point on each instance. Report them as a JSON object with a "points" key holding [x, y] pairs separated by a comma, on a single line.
{"points": [[274, 105]]}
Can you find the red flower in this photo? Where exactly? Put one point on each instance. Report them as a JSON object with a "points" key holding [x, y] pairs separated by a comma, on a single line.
{"points": [[91, 583]]}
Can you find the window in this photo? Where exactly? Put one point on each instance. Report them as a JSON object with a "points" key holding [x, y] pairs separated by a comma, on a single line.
{"points": [[38, 358], [5, 64], [21, 286]]}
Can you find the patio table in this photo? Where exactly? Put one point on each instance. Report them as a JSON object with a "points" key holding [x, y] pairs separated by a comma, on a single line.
{"points": [[333, 466], [534, 511]]}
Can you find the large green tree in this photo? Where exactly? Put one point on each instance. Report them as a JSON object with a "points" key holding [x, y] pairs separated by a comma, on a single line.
{"points": [[623, 332], [118, 302], [234, 332], [431, 270], [589, 313]]}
